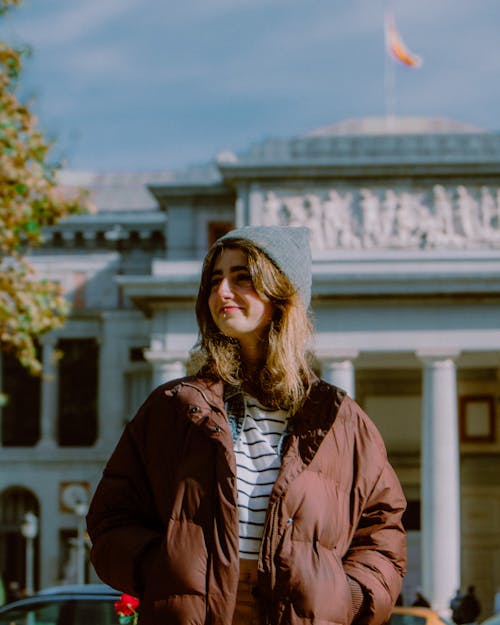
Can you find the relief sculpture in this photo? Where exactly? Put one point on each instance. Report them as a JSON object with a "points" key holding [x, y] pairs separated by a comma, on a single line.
{"points": [[442, 217], [338, 223]]}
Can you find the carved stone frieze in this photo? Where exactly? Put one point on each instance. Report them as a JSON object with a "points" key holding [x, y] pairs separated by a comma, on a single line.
{"points": [[441, 217]]}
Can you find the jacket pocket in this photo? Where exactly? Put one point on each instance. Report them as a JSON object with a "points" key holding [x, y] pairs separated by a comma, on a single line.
{"points": [[186, 557], [318, 588], [179, 566]]}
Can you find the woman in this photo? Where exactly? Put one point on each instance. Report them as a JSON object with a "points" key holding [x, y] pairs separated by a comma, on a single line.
{"points": [[252, 492]]}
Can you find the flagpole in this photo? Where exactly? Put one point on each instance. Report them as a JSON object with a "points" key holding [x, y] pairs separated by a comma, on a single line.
{"points": [[395, 49], [389, 81]]}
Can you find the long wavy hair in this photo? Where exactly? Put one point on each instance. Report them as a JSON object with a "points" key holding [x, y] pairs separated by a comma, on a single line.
{"points": [[286, 375]]}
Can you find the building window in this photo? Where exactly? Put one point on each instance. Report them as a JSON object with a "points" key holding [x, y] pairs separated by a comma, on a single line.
{"points": [[78, 369], [217, 229], [57, 239], [100, 239], [136, 354], [21, 416], [157, 240], [477, 418]]}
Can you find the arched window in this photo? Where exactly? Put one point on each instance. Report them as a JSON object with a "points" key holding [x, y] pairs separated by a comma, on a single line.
{"points": [[15, 502]]}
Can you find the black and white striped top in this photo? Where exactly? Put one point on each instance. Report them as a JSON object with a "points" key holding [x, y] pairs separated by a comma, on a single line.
{"points": [[258, 462]]}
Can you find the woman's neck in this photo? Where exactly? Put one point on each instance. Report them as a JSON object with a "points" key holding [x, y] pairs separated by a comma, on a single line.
{"points": [[251, 369], [252, 359]]}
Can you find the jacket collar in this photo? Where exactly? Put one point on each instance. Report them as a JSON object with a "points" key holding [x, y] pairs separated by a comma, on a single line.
{"points": [[317, 414]]}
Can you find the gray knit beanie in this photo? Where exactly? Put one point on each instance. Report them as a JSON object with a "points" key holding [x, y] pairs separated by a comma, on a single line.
{"points": [[288, 247]]}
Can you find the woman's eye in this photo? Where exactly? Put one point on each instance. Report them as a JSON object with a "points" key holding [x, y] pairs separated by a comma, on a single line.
{"points": [[243, 278], [214, 282]]}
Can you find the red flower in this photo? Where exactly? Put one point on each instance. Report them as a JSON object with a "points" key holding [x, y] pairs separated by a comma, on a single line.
{"points": [[127, 605]]}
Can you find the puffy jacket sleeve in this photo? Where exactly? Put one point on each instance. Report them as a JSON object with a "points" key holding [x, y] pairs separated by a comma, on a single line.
{"points": [[122, 521], [376, 556]]}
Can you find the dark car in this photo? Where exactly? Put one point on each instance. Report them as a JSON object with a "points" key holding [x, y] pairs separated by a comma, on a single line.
{"points": [[88, 604]]}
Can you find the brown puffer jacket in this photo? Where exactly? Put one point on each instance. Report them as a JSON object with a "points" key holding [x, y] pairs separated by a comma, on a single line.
{"points": [[164, 518]]}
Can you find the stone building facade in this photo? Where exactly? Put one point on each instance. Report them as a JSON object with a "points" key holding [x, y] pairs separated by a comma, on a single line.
{"points": [[405, 232]]}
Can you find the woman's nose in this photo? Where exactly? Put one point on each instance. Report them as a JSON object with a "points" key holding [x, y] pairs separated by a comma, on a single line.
{"points": [[224, 289]]}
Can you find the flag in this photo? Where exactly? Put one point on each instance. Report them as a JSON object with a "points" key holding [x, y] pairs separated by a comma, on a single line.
{"points": [[396, 47]]}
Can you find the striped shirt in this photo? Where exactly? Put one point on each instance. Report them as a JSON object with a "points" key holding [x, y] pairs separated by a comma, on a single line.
{"points": [[257, 462]]}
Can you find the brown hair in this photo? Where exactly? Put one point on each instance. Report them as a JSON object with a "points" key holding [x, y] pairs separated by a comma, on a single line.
{"points": [[286, 375]]}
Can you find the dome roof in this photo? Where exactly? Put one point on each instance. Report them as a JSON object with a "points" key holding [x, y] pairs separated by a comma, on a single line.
{"points": [[394, 126]]}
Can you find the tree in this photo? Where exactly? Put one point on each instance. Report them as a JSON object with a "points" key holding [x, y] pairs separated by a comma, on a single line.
{"points": [[30, 201]]}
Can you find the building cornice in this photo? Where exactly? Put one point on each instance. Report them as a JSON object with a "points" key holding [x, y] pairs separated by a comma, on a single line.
{"points": [[387, 273], [179, 191], [408, 273], [342, 171], [354, 156]]}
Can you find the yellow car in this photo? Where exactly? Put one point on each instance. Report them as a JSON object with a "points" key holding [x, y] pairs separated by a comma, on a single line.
{"points": [[408, 615]]}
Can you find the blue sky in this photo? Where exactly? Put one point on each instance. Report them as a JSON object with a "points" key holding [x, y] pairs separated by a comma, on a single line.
{"points": [[138, 85]]}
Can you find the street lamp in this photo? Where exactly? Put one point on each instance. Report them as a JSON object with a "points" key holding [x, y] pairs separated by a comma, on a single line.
{"points": [[81, 509], [29, 529]]}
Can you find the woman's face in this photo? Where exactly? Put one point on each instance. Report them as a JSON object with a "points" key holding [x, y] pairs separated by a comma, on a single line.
{"points": [[237, 309]]}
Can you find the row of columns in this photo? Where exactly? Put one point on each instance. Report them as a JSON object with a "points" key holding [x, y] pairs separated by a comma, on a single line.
{"points": [[440, 473]]}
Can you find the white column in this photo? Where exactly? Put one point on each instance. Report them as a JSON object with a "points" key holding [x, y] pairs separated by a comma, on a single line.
{"points": [[242, 210], [49, 394], [113, 357], [29, 529], [255, 202], [81, 510], [120, 329], [338, 369], [166, 366], [440, 480]]}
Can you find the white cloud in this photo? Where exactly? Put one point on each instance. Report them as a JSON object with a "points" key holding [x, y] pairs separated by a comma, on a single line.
{"points": [[196, 10], [96, 61], [74, 22]]}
